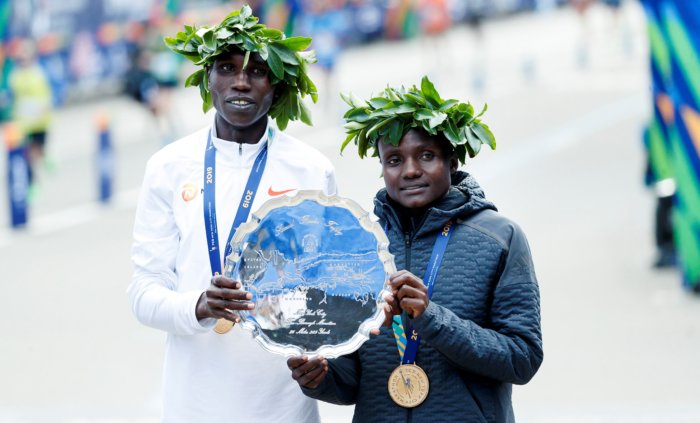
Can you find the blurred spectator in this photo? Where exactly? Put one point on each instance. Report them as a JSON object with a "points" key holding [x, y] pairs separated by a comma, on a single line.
{"points": [[401, 20], [474, 18], [32, 105], [5, 93], [434, 19], [582, 50], [51, 59], [164, 67], [152, 79], [279, 14], [614, 4], [140, 84], [620, 28], [327, 22], [434, 16], [367, 20]]}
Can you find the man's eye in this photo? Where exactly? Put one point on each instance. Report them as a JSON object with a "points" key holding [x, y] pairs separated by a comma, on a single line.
{"points": [[427, 156], [392, 161], [226, 67], [259, 71]]}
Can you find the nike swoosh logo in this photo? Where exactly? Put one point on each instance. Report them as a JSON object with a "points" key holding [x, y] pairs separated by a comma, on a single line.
{"points": [[273, 193]]}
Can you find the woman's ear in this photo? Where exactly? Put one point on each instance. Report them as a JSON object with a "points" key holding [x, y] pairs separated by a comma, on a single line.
{"points": [[454, 164]]}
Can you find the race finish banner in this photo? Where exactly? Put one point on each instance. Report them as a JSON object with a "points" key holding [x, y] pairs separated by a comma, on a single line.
{"points": [[675, 41]]}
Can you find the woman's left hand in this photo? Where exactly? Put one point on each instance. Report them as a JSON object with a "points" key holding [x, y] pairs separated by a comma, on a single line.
{"points": [[409, 293]]}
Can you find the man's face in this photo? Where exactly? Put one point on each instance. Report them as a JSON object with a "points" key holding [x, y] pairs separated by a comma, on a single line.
{"points": [[417, 172], [241, 96]]}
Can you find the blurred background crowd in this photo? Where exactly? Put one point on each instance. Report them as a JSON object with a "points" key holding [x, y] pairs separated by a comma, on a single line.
{"points": [[91, 48]]}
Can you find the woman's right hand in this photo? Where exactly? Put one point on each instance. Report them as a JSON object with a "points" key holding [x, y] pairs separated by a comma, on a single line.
{"points": [[308, 372]]}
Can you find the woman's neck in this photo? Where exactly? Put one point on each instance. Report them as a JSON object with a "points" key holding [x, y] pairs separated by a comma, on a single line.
{"points": [[409, 218]]}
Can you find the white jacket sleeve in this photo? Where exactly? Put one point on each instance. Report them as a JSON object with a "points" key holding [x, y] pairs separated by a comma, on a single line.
{"points": [[153, 293], [331, 187]]}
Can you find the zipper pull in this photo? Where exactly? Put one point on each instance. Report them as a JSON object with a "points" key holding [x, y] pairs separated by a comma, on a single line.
{"points": [[240, 149]]}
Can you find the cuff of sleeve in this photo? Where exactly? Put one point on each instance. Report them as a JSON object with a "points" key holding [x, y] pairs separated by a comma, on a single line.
{"points": [[425, 320], [199, 326], [317, 392]]}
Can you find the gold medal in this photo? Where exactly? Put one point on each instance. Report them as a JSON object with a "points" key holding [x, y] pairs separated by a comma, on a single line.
{"points": [[223, 326], [408, 385]]}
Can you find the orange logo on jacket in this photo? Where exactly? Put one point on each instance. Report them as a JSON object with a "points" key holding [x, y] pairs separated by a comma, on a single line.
{"points": [[272, 193], [189, 192]]}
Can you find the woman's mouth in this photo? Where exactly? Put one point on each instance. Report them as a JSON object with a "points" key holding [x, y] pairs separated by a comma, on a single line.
{"points": [[411, 188]]}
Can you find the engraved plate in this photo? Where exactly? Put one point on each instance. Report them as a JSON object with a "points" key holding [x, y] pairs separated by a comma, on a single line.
{"points": [[317, 268]]}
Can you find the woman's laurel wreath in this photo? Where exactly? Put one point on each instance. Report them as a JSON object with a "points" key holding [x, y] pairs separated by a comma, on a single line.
{"points": [[389, 115]]}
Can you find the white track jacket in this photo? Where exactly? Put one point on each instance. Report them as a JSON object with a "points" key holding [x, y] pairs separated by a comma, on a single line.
{"points": [[210, 377]]}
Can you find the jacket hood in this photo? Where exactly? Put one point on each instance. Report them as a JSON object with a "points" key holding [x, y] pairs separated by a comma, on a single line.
{"points": [[464, 198]]}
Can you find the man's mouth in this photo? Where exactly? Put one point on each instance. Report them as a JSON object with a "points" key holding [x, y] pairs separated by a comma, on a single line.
{"points": [[240, 103]]}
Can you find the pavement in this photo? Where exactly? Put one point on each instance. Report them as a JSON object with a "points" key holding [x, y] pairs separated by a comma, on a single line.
{"points": [[621, 338]]}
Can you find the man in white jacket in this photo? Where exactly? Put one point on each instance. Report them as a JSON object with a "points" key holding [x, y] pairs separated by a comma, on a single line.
{"points": [[211, 179]]}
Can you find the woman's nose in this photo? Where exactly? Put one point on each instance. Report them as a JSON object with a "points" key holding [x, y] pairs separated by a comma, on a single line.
{"points": [[412, 169]]}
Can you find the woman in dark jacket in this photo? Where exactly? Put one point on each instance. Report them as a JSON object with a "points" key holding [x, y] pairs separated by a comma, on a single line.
{"points": [[476, 311]]}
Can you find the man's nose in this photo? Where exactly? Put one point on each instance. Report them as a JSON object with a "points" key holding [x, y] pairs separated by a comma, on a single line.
{"points": [[241, 81]]}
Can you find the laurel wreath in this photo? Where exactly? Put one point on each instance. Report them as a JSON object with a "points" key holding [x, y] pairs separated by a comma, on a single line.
{"points": [[286, 57], [390, 114]]}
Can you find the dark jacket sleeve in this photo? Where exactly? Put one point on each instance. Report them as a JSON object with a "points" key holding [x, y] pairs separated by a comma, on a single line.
{"points": [[341, 383], [510, 349]]}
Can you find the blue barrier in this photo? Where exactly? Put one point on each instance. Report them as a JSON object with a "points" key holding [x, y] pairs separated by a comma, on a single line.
{"points": [[17, 177], [105, 159]]}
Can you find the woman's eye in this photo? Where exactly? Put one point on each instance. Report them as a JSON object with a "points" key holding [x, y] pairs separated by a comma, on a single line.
{"points": [[227, 67], [427, 156], [259, 72]]}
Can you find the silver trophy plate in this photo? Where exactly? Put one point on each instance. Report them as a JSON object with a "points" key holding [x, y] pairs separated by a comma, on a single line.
{"points": [[317, 268]]}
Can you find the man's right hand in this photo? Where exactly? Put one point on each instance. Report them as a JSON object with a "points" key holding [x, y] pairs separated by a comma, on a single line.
{"points": [[221, 298], [308, 372]]}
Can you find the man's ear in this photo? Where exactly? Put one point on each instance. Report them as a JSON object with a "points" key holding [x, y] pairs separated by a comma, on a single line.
{"points": [[454, 164]]}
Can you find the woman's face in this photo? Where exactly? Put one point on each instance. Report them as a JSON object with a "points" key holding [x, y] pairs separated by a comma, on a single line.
{"points": [[418, 171]]}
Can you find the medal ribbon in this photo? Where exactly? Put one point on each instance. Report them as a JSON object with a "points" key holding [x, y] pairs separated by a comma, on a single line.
{"points": [[246, 202], [408, 347]]}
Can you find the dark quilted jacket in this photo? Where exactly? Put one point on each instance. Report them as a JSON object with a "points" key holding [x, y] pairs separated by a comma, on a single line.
{"points": [[480, 333]]}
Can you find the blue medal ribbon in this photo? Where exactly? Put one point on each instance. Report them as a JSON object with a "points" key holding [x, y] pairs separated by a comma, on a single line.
{"points": [[244, 206], [408, 345]]}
